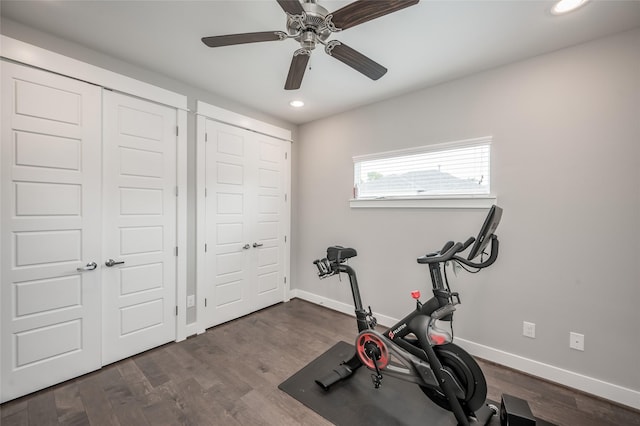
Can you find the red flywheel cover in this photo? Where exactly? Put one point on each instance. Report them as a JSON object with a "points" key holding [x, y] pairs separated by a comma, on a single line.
{"points": [[366, 337]]}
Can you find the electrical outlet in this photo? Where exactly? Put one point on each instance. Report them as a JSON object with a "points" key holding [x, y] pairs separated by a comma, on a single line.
{"points": [[576, 341], [191, 301], [529, 329]]}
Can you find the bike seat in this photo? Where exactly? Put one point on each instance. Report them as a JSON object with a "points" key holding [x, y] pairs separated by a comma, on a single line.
{"points": [[340, 253]]}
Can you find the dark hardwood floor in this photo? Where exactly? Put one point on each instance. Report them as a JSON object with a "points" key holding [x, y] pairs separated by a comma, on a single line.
{"points": [[229, 376]]}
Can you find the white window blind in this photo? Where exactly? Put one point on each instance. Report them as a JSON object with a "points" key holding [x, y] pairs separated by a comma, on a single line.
{"points": [[453, 169]]}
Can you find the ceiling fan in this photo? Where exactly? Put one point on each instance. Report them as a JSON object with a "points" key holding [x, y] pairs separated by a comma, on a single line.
{"points": [[309, 24]]}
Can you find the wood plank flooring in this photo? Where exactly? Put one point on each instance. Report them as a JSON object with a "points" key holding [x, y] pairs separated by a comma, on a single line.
{"points": [[229, 376]]}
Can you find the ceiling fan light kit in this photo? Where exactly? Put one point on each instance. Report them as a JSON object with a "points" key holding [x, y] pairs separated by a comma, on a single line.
{"points": [[309, 24], [566, 6]]}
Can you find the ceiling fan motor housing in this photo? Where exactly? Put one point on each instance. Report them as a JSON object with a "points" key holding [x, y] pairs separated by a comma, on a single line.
{"points": [[311, 26]]}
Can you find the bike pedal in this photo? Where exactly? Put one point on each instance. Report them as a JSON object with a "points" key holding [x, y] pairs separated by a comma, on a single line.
{"points": [[377, 380]]}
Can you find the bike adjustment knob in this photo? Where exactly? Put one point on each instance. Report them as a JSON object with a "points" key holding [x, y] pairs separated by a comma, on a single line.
{"points": [[415, 294]]}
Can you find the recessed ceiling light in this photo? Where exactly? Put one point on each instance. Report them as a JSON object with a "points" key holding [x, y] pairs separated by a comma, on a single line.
{"points": [[296, 104], [565, 6]]}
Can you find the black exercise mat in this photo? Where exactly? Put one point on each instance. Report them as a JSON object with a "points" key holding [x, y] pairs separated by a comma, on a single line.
{"points": [[355, 401]]}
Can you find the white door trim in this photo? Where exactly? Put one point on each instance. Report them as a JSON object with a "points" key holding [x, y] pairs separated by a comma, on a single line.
{"points": [[201, 166], [206, 111], [238, 120], [28, 54], [183, 329]]}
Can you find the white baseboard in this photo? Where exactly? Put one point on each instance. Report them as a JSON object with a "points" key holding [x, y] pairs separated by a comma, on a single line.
{"points": [[599, 388], [602, 389]]}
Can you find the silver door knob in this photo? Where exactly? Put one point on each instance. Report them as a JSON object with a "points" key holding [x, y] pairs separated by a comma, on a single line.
{"points": [[246, 247], [112, 262], [90, 267], [257, 244]]}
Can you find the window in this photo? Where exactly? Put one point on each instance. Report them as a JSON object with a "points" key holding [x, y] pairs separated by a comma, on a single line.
{"points": [[451, 170]]}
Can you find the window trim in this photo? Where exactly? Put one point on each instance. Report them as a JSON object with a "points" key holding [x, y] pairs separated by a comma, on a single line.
{"points": [[456, 201], [442, 202]]}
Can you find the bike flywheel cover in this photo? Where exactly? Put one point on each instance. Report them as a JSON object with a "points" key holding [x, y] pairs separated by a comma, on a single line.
{"points": [[364, 340]]}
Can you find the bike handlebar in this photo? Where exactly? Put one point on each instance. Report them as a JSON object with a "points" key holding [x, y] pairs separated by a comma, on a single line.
{"points": [[467, 243], [495, 244], [450, 250], [439, 257], [447, 246], [327, 267], [446, 252]]}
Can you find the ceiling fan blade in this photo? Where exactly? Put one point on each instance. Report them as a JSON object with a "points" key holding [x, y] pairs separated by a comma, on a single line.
{"points": [[231, 39], [355, 60], [292, 7], [297, 69], [361, 11]]}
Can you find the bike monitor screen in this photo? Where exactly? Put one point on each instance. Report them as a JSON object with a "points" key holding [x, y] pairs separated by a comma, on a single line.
{"points": [[487, 230]]}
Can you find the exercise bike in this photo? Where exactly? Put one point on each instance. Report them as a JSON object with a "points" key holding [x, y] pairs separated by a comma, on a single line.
{"points": [[419, 347]]}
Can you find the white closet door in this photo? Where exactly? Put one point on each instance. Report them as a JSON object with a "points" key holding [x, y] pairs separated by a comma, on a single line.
{"points": [[268, 257], [245, 222], [50, 227], [228, 207], [139, 222]]}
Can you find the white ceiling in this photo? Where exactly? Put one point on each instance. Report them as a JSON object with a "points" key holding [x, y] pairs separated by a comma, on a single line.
{"points": [[423, 45]]}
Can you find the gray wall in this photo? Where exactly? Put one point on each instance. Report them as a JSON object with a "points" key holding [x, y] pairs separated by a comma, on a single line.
{"points": [[73, 50], [566, 170]]}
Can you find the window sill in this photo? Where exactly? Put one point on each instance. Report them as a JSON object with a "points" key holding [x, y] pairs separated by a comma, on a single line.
{"points": [[480, 202]]}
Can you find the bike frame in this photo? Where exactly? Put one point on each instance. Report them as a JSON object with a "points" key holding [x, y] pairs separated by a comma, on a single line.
{"points": [[420, 363]]}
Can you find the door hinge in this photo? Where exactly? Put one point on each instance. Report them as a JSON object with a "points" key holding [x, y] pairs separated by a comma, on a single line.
{"points": [[285, 280], [285, 155], [177, 191], [177, 131], [285, 198], [206, 137], [285, 238], [205, 192], [176, 250], [205, 302], [176, 310], [205, 248]]}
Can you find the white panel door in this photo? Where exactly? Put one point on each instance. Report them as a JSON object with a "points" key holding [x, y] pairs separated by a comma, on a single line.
{"points": [[50, 227], [139, 222], [268, 235], [228, 278], [245, 203]]}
